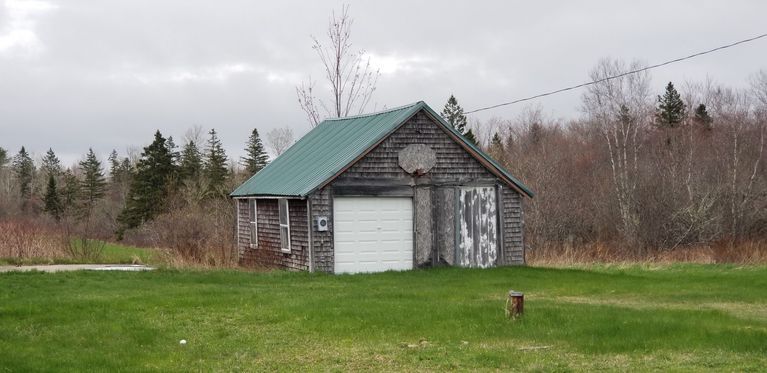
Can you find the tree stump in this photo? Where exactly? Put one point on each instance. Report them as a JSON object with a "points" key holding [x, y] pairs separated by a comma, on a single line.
{"points": [[515, 305]]}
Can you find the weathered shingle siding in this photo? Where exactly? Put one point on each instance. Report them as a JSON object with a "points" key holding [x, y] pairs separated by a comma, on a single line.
{"points": [[454, 164], [513, 227], [268, 253], [243, 226], [322, 242]]}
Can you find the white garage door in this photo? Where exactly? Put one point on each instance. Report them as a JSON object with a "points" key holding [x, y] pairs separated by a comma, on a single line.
{"points": [[373, 234]]}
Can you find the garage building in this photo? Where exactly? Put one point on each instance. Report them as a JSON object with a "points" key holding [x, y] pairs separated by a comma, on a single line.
{"points": [[394, 190]]}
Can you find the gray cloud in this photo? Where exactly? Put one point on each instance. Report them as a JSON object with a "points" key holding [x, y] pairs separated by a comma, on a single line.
{"points": [[106, 74]]}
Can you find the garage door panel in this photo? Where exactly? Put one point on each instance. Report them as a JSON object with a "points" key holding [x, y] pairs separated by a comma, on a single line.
{"points": [[373, 234]]}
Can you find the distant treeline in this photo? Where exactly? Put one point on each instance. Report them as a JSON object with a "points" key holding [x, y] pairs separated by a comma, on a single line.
{"points": [[642, 169]]}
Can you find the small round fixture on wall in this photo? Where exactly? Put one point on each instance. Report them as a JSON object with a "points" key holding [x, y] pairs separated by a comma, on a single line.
{"points": [[322, 223]]}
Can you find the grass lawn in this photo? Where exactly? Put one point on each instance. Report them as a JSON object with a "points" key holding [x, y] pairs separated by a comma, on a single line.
{"points": [[120, 254], [682, 317]]}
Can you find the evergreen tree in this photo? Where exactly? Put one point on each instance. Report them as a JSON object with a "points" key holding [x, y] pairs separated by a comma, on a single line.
{"points": [[3, 157], [453, 114], [703, 118], [114, 165], [51, 164], [173, 150], [126, 168], [122, 180], [119, 170], [624, 115], [24, 170], [150, 185], [191, 162], [52, 201], [93, 184], [256, 157], [70, 192], [470, 137], [216, 171], [671, 109], [497, 150]]}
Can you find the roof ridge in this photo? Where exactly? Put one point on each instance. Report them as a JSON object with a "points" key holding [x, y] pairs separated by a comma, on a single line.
{"points": [[376, 113]]}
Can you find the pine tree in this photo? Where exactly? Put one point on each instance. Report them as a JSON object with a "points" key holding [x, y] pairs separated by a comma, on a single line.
{"points": [[671, 109], [70, 191], [453, 114], [535, 132], [53, 205], [256, 157], [190, 167], [24, 170], [119, 169], [470, 137], [497, 150], [150, 185], [114, 165], [216, 171], [624, 115], [51, 164], [3, 157], [173, 150], [702, 117], [93, 184], [4, 180], [126, 169]]}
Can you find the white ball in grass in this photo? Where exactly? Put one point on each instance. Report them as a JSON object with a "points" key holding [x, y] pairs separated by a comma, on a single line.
{"points": [[182, 342]]}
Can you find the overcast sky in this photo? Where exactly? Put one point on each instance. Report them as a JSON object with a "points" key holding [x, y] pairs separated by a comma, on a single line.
{"points": [[106, 74]]}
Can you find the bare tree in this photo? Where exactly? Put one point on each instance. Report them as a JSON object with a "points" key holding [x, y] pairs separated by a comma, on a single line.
{"points": [[351, 78], [195, 134], [621, 110], [279, 139]]}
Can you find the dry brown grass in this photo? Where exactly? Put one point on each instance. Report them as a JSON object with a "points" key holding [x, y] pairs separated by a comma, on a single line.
{"points": [[746, 252], [191, 236], [31, 238]]}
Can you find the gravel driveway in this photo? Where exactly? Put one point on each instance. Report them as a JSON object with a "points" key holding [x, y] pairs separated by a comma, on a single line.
{"points": [[77, 267]]}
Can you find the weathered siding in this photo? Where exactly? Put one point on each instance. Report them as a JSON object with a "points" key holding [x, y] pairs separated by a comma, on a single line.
{"points": [[445, 224], [243, 226], [454, 165], [424, 229], [268, 253], [513, 227], [321, 203]]}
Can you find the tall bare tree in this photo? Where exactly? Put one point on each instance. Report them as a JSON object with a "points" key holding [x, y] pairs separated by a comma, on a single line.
{"points": [[349, 74], [621, 110], [279, 140]]}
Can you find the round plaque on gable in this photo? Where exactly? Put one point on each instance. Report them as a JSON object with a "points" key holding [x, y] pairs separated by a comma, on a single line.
{"points": [[417, 159]]}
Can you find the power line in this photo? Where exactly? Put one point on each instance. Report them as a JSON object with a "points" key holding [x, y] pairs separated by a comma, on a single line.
{"points": [[619, 75]]}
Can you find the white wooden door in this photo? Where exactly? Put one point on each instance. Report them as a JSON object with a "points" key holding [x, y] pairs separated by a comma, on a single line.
{"points": [[372, 234], [477, 227]]}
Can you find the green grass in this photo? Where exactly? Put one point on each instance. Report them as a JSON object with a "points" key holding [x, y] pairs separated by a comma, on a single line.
{"points": [[681, 318], [112, 254], [120, 254]]}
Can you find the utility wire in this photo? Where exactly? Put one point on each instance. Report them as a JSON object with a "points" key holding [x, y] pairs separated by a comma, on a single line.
{"points": [[619, 75]]}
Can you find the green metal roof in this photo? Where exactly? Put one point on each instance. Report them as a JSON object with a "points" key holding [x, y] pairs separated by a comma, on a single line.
{"points": [[333, 145]]}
